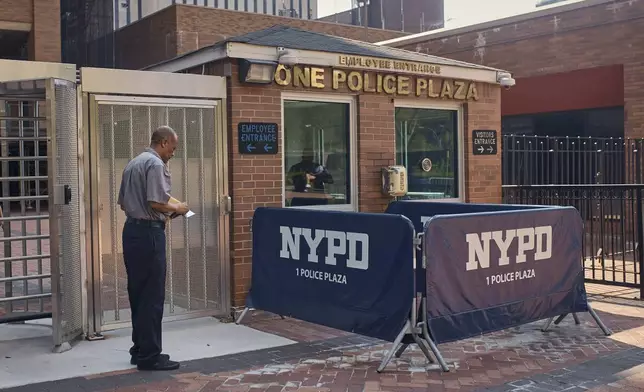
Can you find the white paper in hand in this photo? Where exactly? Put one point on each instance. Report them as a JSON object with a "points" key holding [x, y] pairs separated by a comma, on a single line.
{"points": [[189, 214]]}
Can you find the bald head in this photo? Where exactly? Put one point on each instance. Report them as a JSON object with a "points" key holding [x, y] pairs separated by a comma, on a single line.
{"points": [[163, 133], [164, 141]]}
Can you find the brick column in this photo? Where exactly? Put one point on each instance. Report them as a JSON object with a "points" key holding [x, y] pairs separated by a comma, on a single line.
{"points": [[376, 149], [44, 40], [483, 177]]}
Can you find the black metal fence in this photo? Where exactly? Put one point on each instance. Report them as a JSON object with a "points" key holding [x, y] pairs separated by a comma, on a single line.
{"points": [[545, 160], [613, 226]]}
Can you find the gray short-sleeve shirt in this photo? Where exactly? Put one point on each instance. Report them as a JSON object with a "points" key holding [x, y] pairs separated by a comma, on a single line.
{"points": [[145, 179]]}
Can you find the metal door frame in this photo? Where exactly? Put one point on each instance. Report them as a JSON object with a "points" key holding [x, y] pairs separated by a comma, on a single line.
{"points": [[51, 75], [149, 88]]}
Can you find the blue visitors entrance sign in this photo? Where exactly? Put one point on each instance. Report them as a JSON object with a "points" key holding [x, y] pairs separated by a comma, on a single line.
{"points": [[257, 138]]}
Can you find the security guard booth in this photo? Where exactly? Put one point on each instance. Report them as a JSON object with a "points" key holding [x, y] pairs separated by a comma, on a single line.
{"points": [[350, 109]]}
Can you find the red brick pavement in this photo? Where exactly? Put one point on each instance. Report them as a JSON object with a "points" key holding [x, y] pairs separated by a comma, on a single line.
{"points": [[489, 361]]}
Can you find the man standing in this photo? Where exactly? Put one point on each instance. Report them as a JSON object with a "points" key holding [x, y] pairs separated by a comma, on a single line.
{"points": [[145, 198]]}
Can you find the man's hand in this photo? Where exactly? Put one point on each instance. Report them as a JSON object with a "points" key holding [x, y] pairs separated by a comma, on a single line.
{"points": [[182, 208]]}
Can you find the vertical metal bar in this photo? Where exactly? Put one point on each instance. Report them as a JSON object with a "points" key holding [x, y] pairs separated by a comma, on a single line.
{"points": [[150, 122], [170, 275], [41, 288], [602, 234], [504, 148], [549, 152], [22, 188], [513, 161], [622, 225], [632, 229], [611, 228], [53, 158], [113, 219], [186, 228], [577, 159], [202, 205], [637, 240], [640, 237], [6, 206], [131, 133]]}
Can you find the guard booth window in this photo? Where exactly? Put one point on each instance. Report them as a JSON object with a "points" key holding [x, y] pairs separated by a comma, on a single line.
{"points": [[427, 145], [316, 153]]}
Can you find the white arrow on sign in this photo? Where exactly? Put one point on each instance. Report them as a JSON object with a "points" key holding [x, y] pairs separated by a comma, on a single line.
{"points": [[481, 149], [490, 149]]}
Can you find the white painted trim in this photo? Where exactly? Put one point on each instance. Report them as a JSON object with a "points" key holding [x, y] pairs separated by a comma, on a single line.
{"points": [[127, 100], [15, 70], [190, 60], [160, 84], [353, 146], [546, 10], [460, 129], [463, 71], [15, 26]]}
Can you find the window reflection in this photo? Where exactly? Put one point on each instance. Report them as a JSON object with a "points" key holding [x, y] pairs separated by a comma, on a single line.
{"points": [[316, 153], [427, 145]]}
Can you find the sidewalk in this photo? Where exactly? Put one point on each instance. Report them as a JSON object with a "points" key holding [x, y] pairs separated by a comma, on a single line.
{"points": [[567, 358]]}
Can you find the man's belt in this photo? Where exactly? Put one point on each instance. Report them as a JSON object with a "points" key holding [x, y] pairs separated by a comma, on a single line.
{"points": [[146, 222]]}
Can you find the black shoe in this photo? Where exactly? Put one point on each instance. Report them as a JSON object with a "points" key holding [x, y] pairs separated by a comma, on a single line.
{"points": [[134, 360], [160, 364]]}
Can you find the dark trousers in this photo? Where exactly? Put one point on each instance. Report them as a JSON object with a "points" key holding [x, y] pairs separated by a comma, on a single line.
{"points": [[144, 253]]}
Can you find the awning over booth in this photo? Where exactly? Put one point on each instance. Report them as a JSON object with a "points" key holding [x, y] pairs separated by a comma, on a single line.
{"points": [[288, 45]]}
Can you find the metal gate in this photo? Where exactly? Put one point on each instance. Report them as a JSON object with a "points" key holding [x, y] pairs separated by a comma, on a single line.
{"points": [[602, 178], [40, 264], [120, 127]]}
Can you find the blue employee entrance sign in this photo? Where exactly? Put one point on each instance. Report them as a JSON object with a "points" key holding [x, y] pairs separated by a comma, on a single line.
{"points": [[257, 138]]}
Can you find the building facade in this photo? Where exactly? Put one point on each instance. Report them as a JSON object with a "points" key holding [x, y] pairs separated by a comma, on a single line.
{"points": [[410, 16], [355, 108], [182, 28], [577, 66], [129, 11], [27, 30]]}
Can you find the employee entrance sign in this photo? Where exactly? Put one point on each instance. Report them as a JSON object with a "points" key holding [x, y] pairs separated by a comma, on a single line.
{"points": [[484, 142], [257, 138]]}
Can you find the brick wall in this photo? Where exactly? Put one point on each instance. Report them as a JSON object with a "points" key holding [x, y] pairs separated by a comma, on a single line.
{"points": [[593, 36], [183, 28], [256, 181], [483, 172], [20, 11], [44, 42], [148, 41], [44, 38]]}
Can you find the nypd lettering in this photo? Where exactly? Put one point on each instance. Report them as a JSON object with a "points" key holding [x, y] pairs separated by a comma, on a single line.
{"points": [[324, 246], [536, 240], [532, 243]]}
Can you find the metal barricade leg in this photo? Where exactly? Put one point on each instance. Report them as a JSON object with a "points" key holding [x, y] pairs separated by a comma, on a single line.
{"points": [[560, 318], [428, 340], [401, 350], [241, 316], [547, 324], [434, 348], [390, 354], [576, 318], [599, 322]]}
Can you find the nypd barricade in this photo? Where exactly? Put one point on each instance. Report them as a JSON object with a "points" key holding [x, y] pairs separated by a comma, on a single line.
{"points": [[419, 212], [349, 271], [488, 267]]}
